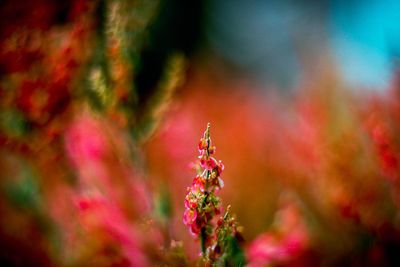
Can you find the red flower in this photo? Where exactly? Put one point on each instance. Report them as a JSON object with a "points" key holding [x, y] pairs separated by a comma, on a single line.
{"points": [[189, 216], [203, 205]]}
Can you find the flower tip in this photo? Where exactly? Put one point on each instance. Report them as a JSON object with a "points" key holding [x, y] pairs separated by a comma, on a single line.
{"points": [[207, 132]]}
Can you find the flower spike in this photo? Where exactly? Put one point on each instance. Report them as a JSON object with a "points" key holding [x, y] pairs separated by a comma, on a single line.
{"points": [[202, 205]]}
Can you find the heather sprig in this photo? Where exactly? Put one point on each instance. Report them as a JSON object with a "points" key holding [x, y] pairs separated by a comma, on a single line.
{"points": [[203, 205]]}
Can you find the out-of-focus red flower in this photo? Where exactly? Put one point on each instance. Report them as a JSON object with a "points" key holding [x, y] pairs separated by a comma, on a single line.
{"points": [[286, 243], [95, 150], [98, 214]]}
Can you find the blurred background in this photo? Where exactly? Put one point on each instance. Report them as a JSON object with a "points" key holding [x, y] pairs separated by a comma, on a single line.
{"points": [[103, 103]]}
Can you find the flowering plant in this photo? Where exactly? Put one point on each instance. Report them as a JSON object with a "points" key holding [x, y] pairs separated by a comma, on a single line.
{"points": [[220, 242]]}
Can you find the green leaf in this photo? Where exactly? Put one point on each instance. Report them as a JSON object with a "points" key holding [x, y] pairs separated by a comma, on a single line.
{"points": [[13, 123]]}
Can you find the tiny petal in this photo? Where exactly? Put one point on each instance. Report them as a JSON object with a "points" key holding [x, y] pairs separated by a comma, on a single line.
{"points": [[212, 149], [209, 164], [195, 229], [199, 183], [189, 216], [203, 144], [221, 183], [220, 167]]}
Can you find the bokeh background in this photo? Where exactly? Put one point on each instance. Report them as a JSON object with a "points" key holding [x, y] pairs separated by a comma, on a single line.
{"points": [[103, 103]]}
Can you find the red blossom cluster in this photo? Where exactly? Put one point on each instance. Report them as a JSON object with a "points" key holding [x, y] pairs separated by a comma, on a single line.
{"points": [[202, 205], [288, 240], [201, 202]]}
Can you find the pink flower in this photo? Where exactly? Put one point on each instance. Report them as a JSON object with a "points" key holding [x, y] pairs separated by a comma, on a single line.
{"points": [[85, 141], [208, 163], [282, 245], [203, 144], [202, 205], [189, 216], [199, 183]]}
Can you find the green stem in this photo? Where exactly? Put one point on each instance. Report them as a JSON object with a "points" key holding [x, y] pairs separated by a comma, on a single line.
{"points": [[203, 237]]}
